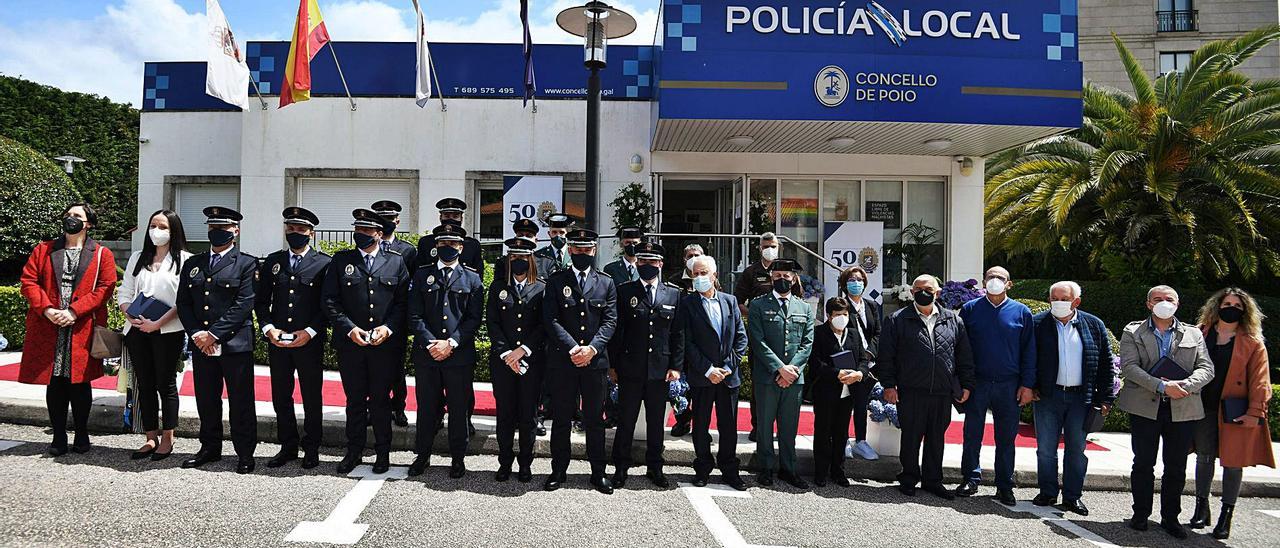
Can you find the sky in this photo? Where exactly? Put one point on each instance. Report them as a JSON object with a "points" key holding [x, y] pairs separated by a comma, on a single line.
{"points": [[99, 46]]}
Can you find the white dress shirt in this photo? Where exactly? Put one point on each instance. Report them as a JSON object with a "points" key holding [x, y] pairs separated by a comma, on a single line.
{"points": [[160, 284], [1070, 353]]}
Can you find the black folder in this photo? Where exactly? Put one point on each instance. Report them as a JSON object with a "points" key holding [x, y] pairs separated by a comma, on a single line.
{"points": [[1168, 369], [844, 360], [1094, 420], [1234, 408], [148, 308]]}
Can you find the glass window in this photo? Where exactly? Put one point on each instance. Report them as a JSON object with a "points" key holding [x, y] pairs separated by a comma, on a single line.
{"points": [[841, 201], [924, 234], [799, 221], [1171, 61], [191, 199], [884, 204]]}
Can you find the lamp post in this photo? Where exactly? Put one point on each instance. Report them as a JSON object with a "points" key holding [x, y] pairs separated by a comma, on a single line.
{"points": [[596, 23]]}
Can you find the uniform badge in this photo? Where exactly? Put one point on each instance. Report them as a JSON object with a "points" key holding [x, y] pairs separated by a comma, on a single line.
{"points": [[194, 271], [433, 252], [275, 268], [634, 302], [431, 278], [502, 294], [568, 292], [351, 269]]}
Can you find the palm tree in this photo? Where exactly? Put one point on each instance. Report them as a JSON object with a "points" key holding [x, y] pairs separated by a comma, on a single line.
{"points": [[1180, 177]]}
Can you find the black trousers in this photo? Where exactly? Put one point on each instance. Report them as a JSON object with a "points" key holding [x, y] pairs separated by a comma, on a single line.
{"points": [[861, 397], [831, 415], [236, 372], [366, 381], [1145, 435], [399, 387], [61, 392], [923, 417], [307, 362], [155, 358], [517, 397], [631, 393], [567, 385], [436, 385], [724, 400]]}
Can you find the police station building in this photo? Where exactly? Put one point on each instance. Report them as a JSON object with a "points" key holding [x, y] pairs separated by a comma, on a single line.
{"points": [[745, 116]]}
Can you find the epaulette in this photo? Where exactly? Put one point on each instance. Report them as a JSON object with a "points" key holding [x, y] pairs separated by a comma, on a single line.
{"points": [[393, 251], [471, 268], [669, 284]]}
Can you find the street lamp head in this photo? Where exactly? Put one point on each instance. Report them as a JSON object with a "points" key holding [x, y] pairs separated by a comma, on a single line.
{"points": [[68, 162], [596, 23]]}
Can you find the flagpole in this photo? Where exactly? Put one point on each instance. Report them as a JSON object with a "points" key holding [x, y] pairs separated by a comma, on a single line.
{"points": [[259, 92], [340, 76], [435, 76]]}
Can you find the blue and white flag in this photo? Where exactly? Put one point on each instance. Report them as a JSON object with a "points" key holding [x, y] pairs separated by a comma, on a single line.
{"points": [[530, 85]]}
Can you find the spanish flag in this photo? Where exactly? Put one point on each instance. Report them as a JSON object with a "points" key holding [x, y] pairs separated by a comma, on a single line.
{"points": [[309, 35]]}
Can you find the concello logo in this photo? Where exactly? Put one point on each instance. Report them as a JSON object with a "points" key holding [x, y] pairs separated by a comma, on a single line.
{"points": [[829, 86], [841, 20]]}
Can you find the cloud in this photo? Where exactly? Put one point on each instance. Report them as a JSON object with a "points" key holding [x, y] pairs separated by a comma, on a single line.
{"points": [[501, 23], [368, 21]]}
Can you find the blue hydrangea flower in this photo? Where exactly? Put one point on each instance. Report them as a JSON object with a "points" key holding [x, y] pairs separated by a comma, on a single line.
{"points": [[875, 409], [891, 413]]}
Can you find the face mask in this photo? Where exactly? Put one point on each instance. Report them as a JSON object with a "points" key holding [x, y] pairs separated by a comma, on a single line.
{"points": [[454, 222], [924, 298], [519, 267], [1060, 309], [1230, 314], [72, 225], [448, 253], [702, 284], [769, 253], [839, 322], [782, 286], [854, 287], [688, 263], [648, 271], [995, 286], [582, 261], [297, 240], [629, 250], [219, 237], [364, 241], [557, 241], [1164, 310], [159, 236]]}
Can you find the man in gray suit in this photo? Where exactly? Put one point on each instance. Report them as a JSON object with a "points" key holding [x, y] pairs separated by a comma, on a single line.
{"points": [[1162, 362]]}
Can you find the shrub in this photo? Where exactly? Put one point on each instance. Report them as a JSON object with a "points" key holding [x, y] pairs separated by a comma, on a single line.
{"points": [[33, 193], [13, 316]]}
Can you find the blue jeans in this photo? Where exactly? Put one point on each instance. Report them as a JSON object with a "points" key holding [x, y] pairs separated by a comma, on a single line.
{"points": [[1001, 398], [1061, 414]]}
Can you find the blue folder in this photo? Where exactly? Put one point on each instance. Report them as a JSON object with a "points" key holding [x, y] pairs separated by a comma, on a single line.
{"points": [[148, 308], [1168, 369]]}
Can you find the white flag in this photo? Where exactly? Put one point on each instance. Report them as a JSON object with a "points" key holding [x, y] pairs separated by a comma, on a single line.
{"points": [[227, 75], [423, 91]]}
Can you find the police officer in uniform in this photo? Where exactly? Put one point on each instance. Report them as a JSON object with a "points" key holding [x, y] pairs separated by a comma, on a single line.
{"points": [[580, 315], [643, 358], [524, 228], [451, 212], [624, 269], [215, 304], [390, 211], [557, 226], [365, 294], [517, 359], [446, 305], [293, 324]]}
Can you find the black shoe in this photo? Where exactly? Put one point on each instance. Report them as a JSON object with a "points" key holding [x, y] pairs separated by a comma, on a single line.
{"points": [[349, 463], [752, 435], [201, 458], [542, 429], [245, 466], [157, 456], [940, 491], [310, 460], [1138, 524], [657, 478], [967, 489], [1222, 531], [620, 478], [1077, 506], [285, 456], [681, 429], [143, 453], [700, 480], [457, 469], [81, 445], [602, 484], [400, 419], [382, 464], [525, 475], [841, 481], [503, 473], [1005, 497], [735, 481], [57, 450], [1174, 529], [819, 481], [420, 464], [471, 429], [765, 479], [554, 481], [908, 490], [1045, 500], [1200, 518]]}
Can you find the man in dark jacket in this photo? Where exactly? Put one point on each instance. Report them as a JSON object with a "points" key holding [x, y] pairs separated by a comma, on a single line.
{"points": [[1074, 382], [924, 365], [390, 211]]}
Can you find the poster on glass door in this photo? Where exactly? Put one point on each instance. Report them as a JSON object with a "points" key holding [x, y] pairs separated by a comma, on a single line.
{"points": [[847, 243], [533, 197]]}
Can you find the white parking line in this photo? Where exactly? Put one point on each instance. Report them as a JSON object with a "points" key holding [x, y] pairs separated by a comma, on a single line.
{"points": [[1056, 517], [341, 527], [702, 499], [1272, 513], [6, 445]]}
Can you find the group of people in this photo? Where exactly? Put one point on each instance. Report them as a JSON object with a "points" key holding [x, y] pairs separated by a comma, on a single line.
{"points": [[561, 330]]}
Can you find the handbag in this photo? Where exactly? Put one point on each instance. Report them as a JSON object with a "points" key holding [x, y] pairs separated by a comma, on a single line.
{"points": [[106, 342]]}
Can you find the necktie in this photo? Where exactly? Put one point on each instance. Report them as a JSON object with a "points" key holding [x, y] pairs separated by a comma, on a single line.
{"points": [[446, 272], [631, 272], [213, 260], [782, 303], [368, 263], [385, 245], [294, 264], [649, 293], [582, 281]]}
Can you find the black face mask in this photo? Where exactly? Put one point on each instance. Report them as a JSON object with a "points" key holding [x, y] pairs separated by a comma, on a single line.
{"points": [[1230, 314], [297, 240], [629, 250], [219, 237], [782, 286], [454, 222], [363, 241], [582, 261], [447, 253], [924, 298], [557, 241], [72, 225], [648, 271], [519, 267]]}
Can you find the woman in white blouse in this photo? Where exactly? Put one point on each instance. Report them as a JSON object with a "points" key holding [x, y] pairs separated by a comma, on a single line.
{"points": [[155, 344]]}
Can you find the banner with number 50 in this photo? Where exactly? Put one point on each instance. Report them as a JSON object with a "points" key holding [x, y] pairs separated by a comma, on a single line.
{"points": [[847, 243], [533, 197]]}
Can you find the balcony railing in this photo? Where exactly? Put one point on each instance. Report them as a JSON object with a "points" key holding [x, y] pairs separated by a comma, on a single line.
{"points": [[1177, 21]]}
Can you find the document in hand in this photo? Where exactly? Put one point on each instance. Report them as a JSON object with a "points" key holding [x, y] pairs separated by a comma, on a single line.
{"points": [[148, 308], [1093, 420], [1168, 369], [1234, 408], [844, 360]]}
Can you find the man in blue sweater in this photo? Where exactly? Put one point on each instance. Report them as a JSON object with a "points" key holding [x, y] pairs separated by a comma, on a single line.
{"points": [[1002, 335]]}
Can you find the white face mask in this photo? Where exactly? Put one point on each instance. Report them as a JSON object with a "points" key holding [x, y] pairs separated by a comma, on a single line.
{"points": [[688, 263], [839, 322], [769, 253], [1164, 310], [995, 286], [1060, 309], [159, 236], [702, 284]]}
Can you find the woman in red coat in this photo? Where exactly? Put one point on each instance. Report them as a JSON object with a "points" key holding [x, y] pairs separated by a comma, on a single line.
{"points": [[67, 283]]}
